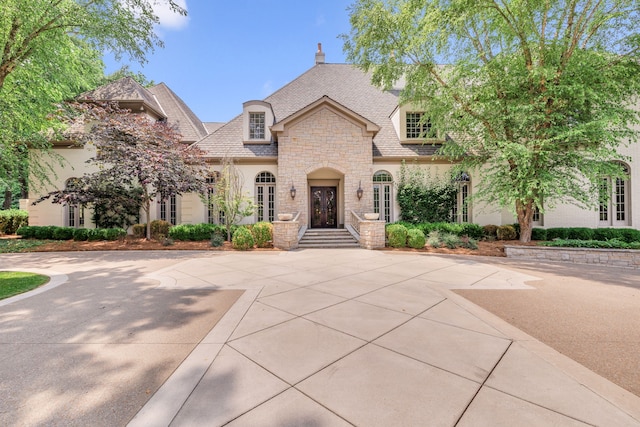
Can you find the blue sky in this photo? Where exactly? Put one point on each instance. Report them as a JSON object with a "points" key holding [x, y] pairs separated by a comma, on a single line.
{"points": [[228, 52]]}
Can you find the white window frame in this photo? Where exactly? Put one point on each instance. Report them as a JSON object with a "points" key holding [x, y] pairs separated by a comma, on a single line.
{"points": [[257, 125], [462, 208], [383, 195], [616, 211], [265, 186]]}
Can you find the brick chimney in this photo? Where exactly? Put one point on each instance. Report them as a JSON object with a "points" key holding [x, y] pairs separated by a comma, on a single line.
{"points": [[319, 55]]}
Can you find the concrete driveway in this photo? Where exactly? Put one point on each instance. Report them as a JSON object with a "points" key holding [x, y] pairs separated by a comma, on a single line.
{"points": [[317, 338]]}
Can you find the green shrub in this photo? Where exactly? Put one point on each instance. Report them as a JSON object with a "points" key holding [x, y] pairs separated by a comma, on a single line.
{"points": [[12, 219], [451, 240], [242, 239], [159, 229], [473, 231], [434, 239], [557, 233], [630, 235], [113, 234], [600, 244], [96, 234], [580, 233], [468, 242], [506, 232], [217, 240], [44, 232], [80, 234], [26, 231], [516, 227], [63, 233], [415, 239], [263, 234], [490, 231], [397, 235], [139, 230], [538, 234], [192, 232]]}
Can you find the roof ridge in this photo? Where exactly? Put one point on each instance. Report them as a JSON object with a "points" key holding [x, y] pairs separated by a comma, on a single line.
{"points": [[184, 108]]}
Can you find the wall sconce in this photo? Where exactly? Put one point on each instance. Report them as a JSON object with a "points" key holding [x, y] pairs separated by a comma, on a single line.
{"points": [[292, 191], [360, 191]]}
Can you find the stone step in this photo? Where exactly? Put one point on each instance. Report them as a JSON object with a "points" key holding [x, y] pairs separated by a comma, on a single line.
{"points": [[328, 238]]}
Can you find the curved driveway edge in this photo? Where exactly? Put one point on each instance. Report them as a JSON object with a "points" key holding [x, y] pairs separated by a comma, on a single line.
{"points": [[55, 279]]}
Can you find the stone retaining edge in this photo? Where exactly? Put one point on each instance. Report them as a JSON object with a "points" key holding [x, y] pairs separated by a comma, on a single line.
{"points": [[624, 258]]}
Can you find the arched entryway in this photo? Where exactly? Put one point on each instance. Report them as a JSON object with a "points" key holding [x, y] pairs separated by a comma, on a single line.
{"points": [[326, 204]]}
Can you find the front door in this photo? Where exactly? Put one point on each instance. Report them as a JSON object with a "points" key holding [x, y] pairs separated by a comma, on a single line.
{"points": [[324, 203]]}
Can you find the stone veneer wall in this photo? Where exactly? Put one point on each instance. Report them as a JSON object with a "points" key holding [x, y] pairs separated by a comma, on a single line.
{"points": [[324, 139], [609, 257], [285, 234], [372, 234]]}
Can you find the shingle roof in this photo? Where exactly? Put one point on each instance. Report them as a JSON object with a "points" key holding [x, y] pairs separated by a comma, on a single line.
{"points": [[343, 83], [124, 89], [179, 114], [159, 98]]}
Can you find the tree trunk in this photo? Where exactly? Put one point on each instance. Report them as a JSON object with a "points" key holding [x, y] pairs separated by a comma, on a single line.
{"points": [[147, 212], [525, 219], [7, 198]]}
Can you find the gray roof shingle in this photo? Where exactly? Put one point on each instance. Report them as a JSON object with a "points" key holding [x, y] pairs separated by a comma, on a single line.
{"points": [[343, 83], [179, 114]]}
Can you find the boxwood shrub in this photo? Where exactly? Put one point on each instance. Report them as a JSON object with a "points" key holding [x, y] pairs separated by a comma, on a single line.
{"points": [[415, 239], [397, 234], [63, 233], [242, 239], [80, 234], [538, 234], [263, 234], [506, 232]]}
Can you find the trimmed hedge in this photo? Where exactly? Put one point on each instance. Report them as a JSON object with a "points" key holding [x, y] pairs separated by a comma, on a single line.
{"points": [[538, 234], [598, 244], [12, 219], [194, 232], [52, 232]]}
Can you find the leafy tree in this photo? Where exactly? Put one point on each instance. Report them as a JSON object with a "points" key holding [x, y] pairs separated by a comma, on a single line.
{"points": [[228, 197], [49, 52], [134, 155], [537, 95]]}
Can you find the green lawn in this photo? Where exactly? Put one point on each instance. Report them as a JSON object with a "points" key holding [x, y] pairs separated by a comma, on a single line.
{"points": [[16, 282], [8, 246]]}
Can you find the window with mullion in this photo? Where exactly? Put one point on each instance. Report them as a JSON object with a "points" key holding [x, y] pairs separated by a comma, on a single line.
{"points": [[256, 125]]}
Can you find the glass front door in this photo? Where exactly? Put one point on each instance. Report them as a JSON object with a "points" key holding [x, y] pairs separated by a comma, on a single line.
{"points": [[324, 203]]}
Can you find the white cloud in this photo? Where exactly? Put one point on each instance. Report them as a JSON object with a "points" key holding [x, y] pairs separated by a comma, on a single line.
{"points": [[168, 18]]}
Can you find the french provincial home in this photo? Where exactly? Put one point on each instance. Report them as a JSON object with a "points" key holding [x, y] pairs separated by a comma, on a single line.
{"points": [[325, 149]]}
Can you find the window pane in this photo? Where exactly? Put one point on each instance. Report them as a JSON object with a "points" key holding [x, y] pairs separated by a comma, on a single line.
{"points": [[256, 125]]}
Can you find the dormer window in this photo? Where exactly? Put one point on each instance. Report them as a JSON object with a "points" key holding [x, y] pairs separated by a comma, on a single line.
{"points": [[418, 126], [256, 126], [257, 117]]}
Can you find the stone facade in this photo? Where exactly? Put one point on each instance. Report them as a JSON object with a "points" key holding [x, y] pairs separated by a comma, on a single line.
{"points": [[324, 144], [372, 234], [285, 234]]}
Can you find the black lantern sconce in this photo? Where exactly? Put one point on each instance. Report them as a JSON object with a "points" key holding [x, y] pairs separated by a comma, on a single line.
{"points": [[292, 191], [360, 191]]}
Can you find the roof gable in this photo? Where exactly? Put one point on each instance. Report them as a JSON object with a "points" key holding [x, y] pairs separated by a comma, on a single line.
{"points": [[368, 127], [179, 114], [125, 91]]}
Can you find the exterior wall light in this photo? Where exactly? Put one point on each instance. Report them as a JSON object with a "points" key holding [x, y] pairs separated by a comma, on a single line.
{"points": [[360, 191], [292, 191]]}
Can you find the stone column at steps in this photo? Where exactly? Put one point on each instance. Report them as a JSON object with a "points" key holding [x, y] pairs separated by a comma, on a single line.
{"points": [[372, 234], [285, 234]]}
